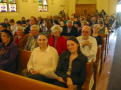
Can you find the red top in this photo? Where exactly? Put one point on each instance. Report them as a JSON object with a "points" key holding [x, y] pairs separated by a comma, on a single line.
{"points": [[60, 44]]}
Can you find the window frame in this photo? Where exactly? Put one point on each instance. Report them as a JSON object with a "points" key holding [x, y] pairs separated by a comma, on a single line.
{"points": [[8, 3], [41, 4]]}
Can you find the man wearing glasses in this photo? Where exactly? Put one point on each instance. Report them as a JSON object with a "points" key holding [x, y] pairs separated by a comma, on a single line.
{"points": [[88, 44]]}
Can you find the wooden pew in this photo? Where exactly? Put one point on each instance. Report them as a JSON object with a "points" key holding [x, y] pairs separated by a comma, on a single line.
{"points": [[97, 65], [89, 78], [104, 49], [10, 81], [104, 45], [24, 56]]}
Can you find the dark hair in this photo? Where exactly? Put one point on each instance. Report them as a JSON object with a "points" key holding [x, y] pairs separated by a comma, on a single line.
{"points": [[9, 34], [78, 23], [73, 38], [19, 22], [4, 25], [12, 21], [35, 19], [46, 35], [27, 20], [55, 22]]}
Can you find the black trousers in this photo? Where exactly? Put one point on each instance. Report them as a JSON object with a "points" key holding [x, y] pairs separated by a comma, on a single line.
{"points": [[51, 81], [41, 78], [65, 85]]}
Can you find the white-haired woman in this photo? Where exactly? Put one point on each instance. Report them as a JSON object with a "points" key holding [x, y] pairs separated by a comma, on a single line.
{"points": [[56, 40]]}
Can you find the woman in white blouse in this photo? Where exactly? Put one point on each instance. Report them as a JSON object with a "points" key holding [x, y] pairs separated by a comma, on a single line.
{"points": [[43, 61]]}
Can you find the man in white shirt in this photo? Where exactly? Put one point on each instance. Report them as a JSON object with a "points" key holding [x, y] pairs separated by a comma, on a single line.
{"points": [[88, 44], [43, 61]]}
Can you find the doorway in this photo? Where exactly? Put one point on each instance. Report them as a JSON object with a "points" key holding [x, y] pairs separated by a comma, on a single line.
{"points": [[88, 9], [118, 12]]}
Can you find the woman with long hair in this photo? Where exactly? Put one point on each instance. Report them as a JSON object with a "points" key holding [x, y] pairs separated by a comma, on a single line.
{"points": [[71, 69]]}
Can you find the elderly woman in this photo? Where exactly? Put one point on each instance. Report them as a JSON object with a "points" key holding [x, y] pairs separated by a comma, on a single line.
{"points": [[57, 41], [96, 29], [8, 52], [43, 61], [71, 69], [19, 36]]}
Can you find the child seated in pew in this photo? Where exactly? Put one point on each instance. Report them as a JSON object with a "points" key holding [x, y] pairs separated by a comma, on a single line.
{"points": [[43, 61], [71, 69], [8, 52]]}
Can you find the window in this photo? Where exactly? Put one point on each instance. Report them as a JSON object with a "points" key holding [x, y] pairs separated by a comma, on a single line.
{"points": [[3, 7], [43, 5], [118, 8], [7, 5]]}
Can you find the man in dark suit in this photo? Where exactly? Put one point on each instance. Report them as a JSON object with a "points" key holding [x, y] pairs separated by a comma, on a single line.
{"points": [[70, 30]]}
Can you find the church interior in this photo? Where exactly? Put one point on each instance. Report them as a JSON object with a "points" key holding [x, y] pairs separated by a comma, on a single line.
{"points": [[60, 44]]}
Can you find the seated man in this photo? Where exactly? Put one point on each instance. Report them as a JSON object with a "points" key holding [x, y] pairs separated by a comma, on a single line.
{"points": [[43, 61], [69, 30], [88, 44], [31, 41]]}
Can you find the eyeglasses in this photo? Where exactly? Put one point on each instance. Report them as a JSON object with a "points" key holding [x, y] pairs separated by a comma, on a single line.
{"points": [[85, 32]]}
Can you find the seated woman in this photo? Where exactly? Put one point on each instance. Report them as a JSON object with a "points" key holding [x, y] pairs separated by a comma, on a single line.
{"points": [[96, 29], [71, 69], [57, 41], [19, 37], [8, 52], [43, 61]]}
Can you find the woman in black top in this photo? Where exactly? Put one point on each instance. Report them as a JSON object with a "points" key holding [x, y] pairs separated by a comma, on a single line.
{"points": [[71, 69]]}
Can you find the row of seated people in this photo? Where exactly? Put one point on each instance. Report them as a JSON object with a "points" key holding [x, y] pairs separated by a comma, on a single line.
{"points": [[49, 57], [85, 43], [71, 27], [67, 30], [28, 42], [43, 41]]}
